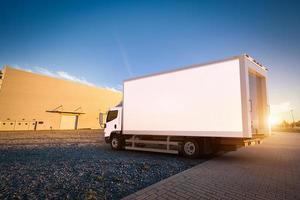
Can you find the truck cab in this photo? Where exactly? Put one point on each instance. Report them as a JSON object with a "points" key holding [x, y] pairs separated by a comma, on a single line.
{"points": [[113, 123]]}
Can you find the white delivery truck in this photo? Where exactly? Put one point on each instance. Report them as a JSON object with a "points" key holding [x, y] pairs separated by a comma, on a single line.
{"points": [[197, 109]]}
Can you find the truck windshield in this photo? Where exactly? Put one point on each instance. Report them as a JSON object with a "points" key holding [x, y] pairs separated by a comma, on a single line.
{"points": [[111, 115]]}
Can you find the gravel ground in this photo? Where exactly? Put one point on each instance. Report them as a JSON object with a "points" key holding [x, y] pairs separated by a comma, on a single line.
{"points": [[82, 171]]}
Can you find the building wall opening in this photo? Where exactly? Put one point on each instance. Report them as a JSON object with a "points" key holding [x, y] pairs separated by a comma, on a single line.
{"points": [[68, 122]]}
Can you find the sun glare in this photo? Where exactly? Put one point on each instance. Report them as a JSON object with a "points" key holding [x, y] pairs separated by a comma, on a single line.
{"points": [[274, 120]]}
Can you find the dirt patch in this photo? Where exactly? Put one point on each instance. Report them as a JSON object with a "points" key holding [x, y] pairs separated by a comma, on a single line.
{"points": [[50, 137]]}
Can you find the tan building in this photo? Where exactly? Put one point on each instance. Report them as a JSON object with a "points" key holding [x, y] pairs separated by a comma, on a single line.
{"points": [[30, 101]]}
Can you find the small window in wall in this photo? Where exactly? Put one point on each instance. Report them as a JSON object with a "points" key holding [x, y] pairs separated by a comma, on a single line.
{"points": [[26, 123], [11, 123], [19, 123], [41, 122], [3, 123]]}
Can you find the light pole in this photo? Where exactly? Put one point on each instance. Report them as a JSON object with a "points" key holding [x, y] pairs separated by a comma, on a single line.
{"points": [[293, 118]]}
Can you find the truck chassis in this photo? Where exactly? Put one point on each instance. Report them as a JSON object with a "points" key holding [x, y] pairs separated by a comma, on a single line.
{"points": [[187, 146]]}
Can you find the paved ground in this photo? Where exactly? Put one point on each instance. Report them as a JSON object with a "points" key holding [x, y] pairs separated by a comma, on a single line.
{"points": [[267, 171]]}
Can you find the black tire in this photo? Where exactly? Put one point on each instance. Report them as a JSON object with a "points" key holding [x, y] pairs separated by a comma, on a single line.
{"points": [[117, 142], [190, 148]]}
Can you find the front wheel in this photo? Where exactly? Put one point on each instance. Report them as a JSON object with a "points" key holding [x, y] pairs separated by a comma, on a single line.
{"points": [[190, 148], [117, 142]]}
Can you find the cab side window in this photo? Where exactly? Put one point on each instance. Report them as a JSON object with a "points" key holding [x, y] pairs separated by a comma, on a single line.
{"points": [[112, 115]]}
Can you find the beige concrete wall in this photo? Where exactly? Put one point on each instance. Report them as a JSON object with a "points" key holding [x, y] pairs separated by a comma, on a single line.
{"points": [[25, 97]]}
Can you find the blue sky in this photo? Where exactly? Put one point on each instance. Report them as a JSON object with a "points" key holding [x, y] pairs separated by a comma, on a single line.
{"points": [[105, 42]]}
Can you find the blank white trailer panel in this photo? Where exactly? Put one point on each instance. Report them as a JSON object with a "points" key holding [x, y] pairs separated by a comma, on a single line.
{"points": [[208, 100]]}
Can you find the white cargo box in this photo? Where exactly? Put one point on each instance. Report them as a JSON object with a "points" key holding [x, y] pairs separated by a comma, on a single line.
{"points": [[226, 98]]}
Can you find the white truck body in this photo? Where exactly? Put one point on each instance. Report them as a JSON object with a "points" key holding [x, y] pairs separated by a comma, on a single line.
{"points": [[203, 100], [223, 99]]}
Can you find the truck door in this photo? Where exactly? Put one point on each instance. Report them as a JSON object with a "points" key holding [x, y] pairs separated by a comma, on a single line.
{"points": [[113, 121], [258, 104]]}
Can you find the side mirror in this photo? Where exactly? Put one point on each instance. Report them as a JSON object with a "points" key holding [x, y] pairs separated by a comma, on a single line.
{"points": [[101, 122]]}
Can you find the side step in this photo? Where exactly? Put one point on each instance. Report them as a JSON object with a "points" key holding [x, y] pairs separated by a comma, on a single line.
{"points": [[152, 150], [166, 149]]}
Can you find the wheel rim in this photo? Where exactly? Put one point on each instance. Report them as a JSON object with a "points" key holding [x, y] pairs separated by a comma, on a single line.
{"points": [[114, 143], [189, 148]]}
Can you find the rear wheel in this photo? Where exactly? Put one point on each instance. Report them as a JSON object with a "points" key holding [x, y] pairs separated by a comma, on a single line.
{"points": [[190, 148], [117, 142]]}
